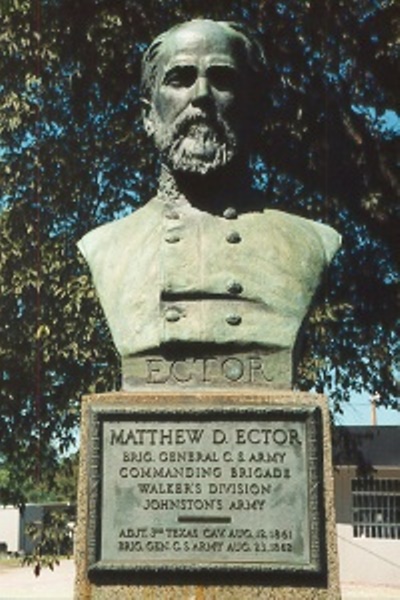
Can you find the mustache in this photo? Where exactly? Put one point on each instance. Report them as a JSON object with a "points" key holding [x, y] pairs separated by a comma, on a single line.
{"points": [[191, 117], [197, 141]]}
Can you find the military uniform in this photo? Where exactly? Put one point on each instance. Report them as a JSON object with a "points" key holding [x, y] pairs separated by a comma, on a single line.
{"points": [[173, 273]]}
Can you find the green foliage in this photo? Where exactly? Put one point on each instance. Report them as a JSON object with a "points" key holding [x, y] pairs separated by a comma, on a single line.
{"points": [[57, 484], [74, 155], [66, 479]]}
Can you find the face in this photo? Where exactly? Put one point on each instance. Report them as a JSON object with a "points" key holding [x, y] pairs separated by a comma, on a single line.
{"points": [[199, 109]]}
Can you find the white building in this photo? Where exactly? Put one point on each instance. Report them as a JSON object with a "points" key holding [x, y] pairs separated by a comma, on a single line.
{"points": [[13, 521], [367, 497]]}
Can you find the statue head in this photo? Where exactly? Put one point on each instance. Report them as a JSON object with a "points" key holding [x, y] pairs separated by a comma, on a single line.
{"points": [[202, 96]]}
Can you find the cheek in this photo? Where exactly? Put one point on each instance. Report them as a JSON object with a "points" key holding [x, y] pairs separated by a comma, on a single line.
{"points": [[230, 104], [169, 103], [231, 114]]}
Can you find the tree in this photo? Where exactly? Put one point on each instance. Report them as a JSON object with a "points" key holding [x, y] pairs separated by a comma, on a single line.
{"points": [[52, 537], [74, 155]]}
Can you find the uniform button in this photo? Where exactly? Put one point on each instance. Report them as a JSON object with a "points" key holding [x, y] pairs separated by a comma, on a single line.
{"points": [[234, 287], [233, 237], [233, 319], [172, 238], [173, 215], [172, 315], [230, 213]]}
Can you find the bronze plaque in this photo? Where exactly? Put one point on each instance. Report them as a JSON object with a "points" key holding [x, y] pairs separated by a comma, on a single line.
{"points": [[206, 489]]}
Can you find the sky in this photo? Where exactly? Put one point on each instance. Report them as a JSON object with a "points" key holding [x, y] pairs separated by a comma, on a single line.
{"points": [[359, 412]]}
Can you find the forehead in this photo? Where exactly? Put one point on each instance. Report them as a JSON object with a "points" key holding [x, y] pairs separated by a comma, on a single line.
{"points": [[196, 41]]}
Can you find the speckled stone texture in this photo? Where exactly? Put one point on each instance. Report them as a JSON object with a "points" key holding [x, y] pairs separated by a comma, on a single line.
{"points": [[206, 586]]}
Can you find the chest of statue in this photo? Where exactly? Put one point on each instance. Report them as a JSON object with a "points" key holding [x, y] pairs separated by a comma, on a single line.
{"points": [[181, 274]]}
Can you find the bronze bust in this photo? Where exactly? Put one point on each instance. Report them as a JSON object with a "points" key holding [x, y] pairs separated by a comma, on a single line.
{"points": [[204, 262]]}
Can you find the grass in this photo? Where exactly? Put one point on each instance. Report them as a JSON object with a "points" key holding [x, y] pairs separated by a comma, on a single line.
{"points": [[13, 562], [9, 562]]}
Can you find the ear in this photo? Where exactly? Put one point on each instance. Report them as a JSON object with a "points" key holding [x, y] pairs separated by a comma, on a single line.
{"points": [[147, 116]]}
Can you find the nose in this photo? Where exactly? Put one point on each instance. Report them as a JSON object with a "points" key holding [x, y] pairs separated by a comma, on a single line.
{"points": [[201, 90]]}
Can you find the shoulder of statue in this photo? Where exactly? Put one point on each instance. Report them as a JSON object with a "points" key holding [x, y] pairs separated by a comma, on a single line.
{"points": [[101, 239], [326, 236]]}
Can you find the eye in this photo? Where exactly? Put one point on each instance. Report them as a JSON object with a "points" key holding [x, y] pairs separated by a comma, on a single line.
{"points": [[180, 76], [223, 78]]}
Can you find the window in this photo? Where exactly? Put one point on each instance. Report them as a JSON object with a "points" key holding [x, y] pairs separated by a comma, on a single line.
{"points": [[376, 508]]}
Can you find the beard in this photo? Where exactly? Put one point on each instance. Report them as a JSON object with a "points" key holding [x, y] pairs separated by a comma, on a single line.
{"points": [[195, 143]]}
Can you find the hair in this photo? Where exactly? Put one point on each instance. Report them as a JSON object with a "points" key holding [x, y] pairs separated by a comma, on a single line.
{"points": [[255, 55]]}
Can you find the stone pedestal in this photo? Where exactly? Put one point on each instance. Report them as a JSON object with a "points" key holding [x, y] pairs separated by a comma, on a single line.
{"points": [[206, 495]]}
